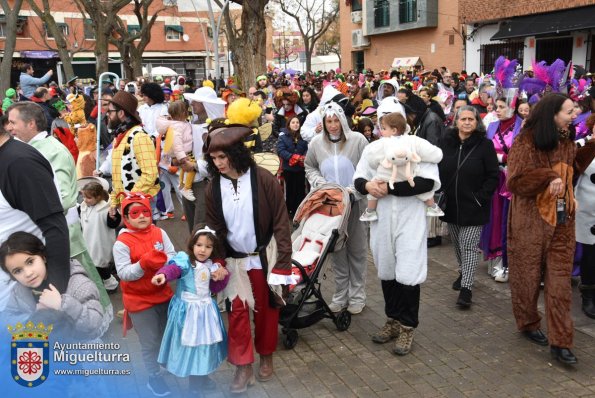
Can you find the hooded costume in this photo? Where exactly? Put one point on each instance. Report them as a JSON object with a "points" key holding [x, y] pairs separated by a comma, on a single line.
{"points": [[334, 160], [330, 94], [380, 95]]}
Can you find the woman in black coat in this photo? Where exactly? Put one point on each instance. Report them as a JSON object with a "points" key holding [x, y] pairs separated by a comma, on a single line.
{"points": [[292, 149], [468, 191]]}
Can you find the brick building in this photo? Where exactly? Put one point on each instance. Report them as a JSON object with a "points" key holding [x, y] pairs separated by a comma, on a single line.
{"points": [[179, 40], [528, 30], [375, 32]]}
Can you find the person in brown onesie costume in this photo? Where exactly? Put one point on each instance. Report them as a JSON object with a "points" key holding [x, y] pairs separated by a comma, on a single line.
{"points": [[541, 236]]}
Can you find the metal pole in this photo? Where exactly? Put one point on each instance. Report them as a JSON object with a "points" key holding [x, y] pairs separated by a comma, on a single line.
{"points": [[216, 38], [99, 116]]}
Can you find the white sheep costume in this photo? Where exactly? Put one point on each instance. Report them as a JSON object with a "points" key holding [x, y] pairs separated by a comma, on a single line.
{"points": [[398, 238]]}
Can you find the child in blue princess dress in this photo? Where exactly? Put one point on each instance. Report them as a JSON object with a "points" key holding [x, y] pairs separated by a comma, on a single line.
{"points": [[194, 342]]}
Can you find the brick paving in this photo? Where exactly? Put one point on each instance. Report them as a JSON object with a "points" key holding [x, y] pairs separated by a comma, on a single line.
{"points": [[455, 353]]}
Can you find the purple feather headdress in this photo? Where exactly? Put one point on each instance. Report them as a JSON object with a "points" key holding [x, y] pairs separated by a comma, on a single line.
{"points": [[505, 72], [552, 78]]}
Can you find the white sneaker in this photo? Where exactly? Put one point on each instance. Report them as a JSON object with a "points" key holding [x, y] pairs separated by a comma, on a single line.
{"points": [[369, 215], [502, 276], [497, 266], [334, 307], [356, 308], [434, 211], [188, 194], [111, 283]]}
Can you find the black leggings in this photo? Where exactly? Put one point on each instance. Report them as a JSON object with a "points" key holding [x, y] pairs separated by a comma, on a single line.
{"points": [[295, 189], [588, 265], [401, 302]]}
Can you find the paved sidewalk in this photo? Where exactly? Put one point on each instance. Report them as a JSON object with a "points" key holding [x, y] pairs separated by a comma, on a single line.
{"points": [[473, 353]]}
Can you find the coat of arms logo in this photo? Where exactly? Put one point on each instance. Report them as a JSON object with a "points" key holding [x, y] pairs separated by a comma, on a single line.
{"points": [[30, 353]]}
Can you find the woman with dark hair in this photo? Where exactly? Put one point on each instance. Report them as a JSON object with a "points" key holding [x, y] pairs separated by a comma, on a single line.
{"points": [[366, 127], [541, 228], [292, 149], [469, 176], [153, 107], [309, 100], [493, 237], [245, 207]]}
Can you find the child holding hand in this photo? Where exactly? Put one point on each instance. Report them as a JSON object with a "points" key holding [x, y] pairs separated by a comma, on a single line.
{"points": [[139, 252], [194, 342]]}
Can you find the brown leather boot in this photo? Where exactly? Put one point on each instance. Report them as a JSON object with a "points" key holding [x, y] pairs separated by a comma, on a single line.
{"points": [[243, 378], [265, 372]]}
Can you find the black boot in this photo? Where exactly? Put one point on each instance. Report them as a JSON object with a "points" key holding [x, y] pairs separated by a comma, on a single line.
{"points": [[437, 241], [464, 300], [456, 285], [588, 295], [563, 355]]}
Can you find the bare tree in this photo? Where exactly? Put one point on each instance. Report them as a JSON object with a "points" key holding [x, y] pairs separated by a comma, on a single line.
{"points": [[248, 41], [284, 50], [132, 45], [11, 15], [313, 18], [103, 13], [64, 48], [330, 42]]}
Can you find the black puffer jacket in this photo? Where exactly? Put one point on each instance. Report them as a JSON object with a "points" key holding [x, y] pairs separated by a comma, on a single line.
{"points": [[469, 193], [430, 127]]}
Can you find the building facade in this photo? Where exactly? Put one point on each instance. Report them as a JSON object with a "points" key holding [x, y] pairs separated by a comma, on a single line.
{"points": [[182, 41], [385, 34], [541, 30]]}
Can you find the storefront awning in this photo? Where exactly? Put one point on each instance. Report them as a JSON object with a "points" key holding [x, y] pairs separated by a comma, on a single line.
{"points": [[552, 22], [176, 28], [406, 62], [133, 29]]}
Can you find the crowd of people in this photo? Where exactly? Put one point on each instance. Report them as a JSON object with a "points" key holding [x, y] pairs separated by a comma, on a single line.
{"points": [[502, 163]]}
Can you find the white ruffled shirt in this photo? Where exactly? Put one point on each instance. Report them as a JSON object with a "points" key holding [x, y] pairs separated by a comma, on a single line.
{"points": [[239, 216]]}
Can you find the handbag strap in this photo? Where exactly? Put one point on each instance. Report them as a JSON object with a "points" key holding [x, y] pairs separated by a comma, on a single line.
{"points": [[459, 168]]}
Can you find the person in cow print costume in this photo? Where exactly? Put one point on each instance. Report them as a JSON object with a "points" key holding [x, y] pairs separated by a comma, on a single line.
{"points": [[134, 165]]}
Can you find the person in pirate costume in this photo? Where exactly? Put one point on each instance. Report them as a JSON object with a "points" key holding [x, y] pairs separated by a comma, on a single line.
{"points": [[245, 207]]}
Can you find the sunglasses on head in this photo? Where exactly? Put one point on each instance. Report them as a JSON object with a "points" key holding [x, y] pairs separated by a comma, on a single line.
{"points": [[136, 212]]}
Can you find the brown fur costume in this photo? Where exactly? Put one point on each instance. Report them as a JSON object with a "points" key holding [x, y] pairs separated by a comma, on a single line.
{"points": [[87, 144], [535, 243], [77, 112]]}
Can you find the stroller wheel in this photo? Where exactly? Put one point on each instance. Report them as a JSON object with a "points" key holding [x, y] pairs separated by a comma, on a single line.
{"points": [[290, 339], [343, 321]]}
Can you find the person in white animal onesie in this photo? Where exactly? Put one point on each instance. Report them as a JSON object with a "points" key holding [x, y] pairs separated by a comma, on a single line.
{"points": [[398, 242], [397, 160]]}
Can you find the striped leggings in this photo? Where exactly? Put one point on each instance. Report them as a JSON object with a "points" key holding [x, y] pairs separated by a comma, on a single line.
{"points": [[466, 241]]}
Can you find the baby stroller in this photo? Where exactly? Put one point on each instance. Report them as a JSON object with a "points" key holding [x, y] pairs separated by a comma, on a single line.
{"points": [[322, 218]]}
